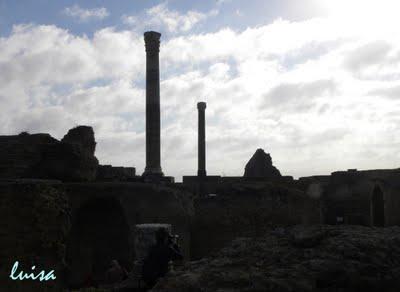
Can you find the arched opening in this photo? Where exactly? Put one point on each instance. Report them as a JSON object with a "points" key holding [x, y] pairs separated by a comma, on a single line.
{"points": [[99, 234], [378, 207]]}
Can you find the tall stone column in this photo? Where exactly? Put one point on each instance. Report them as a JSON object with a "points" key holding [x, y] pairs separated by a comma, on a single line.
{"points": [[153, 156], [201, 107]]}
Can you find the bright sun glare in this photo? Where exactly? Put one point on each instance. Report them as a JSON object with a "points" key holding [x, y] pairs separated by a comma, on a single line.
{"points": [[370, 16], [361, 8]]}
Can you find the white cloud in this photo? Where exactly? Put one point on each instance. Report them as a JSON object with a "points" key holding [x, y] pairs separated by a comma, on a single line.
{"points": [[83, 15], [160, 17], [392, 92], [130, 19], [377, 60], [318, 95], [221, 2], [298, 96]]}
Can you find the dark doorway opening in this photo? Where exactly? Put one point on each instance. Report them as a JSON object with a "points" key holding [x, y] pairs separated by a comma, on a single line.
{"points": [[100, 233], [378, 207]]}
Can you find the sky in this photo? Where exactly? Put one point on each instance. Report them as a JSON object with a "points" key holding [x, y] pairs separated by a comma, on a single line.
{"points": [[315, 83]]}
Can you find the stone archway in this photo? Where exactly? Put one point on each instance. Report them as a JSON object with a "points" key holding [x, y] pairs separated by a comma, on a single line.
{"points": [[100, 233], [377, 207]]}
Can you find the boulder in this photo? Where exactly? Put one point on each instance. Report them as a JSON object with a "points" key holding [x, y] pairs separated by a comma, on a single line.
{"points": [[260, 165]]}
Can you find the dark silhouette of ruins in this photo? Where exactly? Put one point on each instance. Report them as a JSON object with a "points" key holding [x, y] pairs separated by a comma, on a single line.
{"points": [[97, 208], [260, 165]]}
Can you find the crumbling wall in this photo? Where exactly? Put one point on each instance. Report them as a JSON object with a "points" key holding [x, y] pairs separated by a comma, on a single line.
{"points": [[348, 203], [72, 159], [35, 221], [347, 196], [115, 173], [247, 210], [43, 157], [20, 153]]}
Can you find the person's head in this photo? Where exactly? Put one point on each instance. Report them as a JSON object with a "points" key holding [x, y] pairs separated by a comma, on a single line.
{"points": [[162, 235]]}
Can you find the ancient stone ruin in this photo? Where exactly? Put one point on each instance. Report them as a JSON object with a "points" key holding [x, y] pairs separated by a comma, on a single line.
{"points": [[260, 165], [42, 156], [262, 231]]}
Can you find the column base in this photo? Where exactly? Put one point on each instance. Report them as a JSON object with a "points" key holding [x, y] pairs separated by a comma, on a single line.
{"points": [[201, 173], [155, 175], [153, 171]]}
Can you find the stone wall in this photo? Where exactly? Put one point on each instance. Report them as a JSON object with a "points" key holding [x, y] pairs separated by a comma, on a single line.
{"points": [[391, 193], [211, 184], [247, 210], [20, 153], [78, 228], [115, 173], [35, 221], [347, 196], [43, 157], [72, 159]]}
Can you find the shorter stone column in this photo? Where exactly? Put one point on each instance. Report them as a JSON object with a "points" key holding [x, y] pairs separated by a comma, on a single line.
{"points": [[201, 172]]}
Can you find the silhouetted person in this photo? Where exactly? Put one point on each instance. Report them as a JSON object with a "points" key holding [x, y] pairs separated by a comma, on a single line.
{"points": [[115, 273], [159, 256]]}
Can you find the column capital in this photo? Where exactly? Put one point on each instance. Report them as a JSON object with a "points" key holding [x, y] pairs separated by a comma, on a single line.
{"points": [[152, 41], [201, 105]]}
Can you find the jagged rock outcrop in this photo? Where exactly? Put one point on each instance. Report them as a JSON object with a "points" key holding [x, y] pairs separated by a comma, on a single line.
{"points": [[260, 165], [41, 156], [315, 258]]}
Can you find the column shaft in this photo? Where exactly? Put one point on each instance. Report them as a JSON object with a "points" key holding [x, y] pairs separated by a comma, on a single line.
{"points": [[153, 156], [201, 106]]}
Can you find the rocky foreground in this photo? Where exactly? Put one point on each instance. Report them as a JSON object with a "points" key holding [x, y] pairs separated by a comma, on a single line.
{"points": [[315, 258]]}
